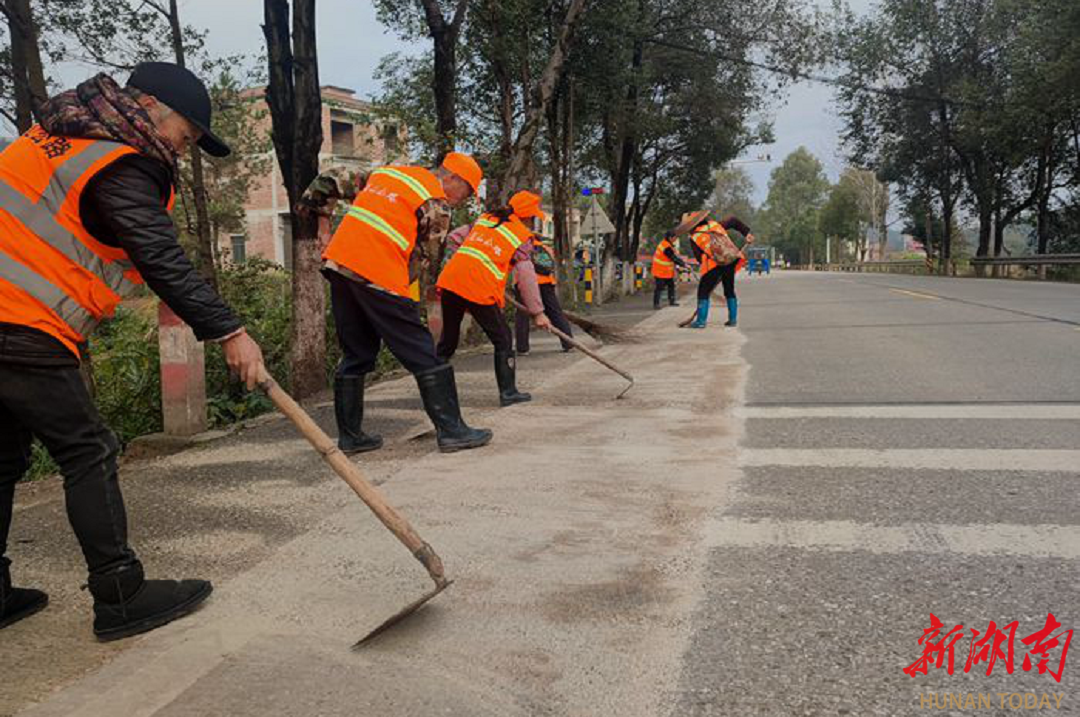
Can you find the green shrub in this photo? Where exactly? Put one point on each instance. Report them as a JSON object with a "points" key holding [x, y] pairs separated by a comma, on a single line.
{"points": [[124, 356]]}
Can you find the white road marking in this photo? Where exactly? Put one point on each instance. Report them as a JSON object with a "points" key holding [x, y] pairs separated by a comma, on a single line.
{"points": [[1044, 541], [969, 459], [917, 294], [1029, 411]]}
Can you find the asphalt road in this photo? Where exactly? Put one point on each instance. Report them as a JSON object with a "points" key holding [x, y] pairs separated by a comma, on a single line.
{"points": [[762, 526], [911, 446]]}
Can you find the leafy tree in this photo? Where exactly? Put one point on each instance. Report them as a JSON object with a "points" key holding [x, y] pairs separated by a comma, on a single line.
{"points": [[733, 190], [841, 218], [797, 192]]}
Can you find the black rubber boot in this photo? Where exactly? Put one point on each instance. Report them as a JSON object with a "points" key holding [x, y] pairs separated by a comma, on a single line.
{"points": [[17, 603], [506, 377], [127, 604], [439, 394], [349, 412]]}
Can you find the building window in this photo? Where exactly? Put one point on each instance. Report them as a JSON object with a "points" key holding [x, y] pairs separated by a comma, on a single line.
{"points": [[341, 135], [390, 140], [239, 248]]}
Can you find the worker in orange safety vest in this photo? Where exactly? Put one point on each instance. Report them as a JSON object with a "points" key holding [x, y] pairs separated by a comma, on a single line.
{"points": [[474, 281], [665, 259], [395, 225]]}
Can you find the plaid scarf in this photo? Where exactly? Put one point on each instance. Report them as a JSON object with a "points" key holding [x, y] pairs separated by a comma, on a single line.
{"points": [[100, 109]]}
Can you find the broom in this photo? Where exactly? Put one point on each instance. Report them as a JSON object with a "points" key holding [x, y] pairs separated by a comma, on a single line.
{"points": [[602, 332]]}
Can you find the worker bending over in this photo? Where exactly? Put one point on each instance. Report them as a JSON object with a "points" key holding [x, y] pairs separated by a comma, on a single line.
{"points": [[84, 222], [543, 260], [474, 281], [397, 220], [713, 273]]}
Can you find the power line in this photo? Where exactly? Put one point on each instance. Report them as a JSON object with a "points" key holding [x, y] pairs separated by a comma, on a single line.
{"points": [[823, 79]]}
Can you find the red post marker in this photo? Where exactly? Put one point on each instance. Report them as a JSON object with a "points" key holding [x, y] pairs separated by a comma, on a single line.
{"points": [[183, 376]]}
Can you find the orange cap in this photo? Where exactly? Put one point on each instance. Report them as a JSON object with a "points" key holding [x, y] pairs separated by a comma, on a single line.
{"points": [[465, 167], [526, 204]]}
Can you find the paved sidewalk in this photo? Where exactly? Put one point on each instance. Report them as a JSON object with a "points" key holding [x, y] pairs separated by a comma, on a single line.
{"points": [[574, 539]]}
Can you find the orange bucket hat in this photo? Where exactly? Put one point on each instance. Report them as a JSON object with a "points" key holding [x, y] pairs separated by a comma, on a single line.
{"points": [[526, 204], [465, 167]]}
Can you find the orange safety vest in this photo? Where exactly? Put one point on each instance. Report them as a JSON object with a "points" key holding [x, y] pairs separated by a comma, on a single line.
{"points": [[54, 276], [546, 279], [478, 270], [376, 238], [703, 241], [662, 267]]}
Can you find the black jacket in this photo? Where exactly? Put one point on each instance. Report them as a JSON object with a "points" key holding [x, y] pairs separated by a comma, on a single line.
{"points": [[124, 206]]}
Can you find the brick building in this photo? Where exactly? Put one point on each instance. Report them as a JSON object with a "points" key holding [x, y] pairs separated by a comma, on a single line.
{"points": [[353, 137]]}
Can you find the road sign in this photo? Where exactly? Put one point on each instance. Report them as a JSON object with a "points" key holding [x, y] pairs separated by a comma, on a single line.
{"points": [[595, 221]]}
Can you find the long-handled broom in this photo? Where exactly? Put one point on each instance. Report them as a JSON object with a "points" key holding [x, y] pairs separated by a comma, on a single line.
{"points": [[604, 332], [587, 351], [351, 474]]}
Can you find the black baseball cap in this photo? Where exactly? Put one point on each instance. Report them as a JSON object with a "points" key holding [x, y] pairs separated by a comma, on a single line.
{"points": [[185, 93]]}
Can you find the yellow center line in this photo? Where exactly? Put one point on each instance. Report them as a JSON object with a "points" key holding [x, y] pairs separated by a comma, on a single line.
{"points": [[917, 294]]}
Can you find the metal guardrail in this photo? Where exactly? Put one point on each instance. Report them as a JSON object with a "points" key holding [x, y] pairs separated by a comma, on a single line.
{"points": [[998, 264], [914, 265], [1030, 260]]}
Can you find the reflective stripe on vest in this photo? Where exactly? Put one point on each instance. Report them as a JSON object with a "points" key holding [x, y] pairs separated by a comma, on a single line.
{"points": [[704, 242], [413, 184], [483, 259], [377, 223], [55, 169], [376, 239], [662, 267], [506, 232], [478, 270]]}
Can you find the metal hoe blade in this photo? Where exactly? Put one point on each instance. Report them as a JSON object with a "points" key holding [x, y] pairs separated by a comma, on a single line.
{"points": [[401, 615]]}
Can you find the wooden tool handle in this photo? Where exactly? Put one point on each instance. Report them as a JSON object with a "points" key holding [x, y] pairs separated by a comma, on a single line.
{"points": [[579, 346], [351, 474], [589, 352]]}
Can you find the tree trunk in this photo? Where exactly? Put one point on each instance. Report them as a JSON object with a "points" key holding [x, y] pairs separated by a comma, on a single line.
{"points": [[28, 76], [444, 35], [296, 116], [523, 146], [204, 252]]}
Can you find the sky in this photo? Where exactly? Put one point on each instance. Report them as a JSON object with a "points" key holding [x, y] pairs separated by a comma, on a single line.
{"points": [[352, 42]]}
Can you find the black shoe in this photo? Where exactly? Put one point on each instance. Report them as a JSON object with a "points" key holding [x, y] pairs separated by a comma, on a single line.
{"points": [[439, 394], [126, 604], [506, 377], [673, 303], [17, 603], [656, 307], [349, 412]]}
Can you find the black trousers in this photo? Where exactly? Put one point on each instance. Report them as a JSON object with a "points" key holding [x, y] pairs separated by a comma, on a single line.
{"points": [[549, 295], [658, 289], [716, 275], [54, 405], [365, 318], [489, 316]]}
